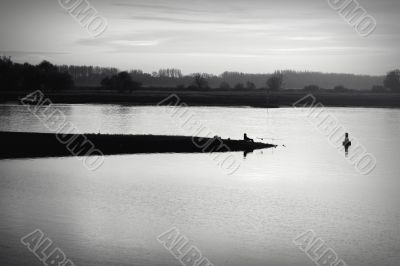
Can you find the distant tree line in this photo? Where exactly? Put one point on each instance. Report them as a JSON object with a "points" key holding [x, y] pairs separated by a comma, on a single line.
{"points": [[391, 83], [392, 80], [242, 81], [52, 77], [44, 76], [121, 82], [88, 76]]}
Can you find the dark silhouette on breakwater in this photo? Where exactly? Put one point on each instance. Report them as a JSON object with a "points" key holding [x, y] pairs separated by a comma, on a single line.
{"points": [[247, 139], [34, 145]]}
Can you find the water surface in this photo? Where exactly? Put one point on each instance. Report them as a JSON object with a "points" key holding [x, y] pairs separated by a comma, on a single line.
{"points": [[113, 216]]}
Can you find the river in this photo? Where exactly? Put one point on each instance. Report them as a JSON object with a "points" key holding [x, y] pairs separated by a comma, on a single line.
{"points": [[113, 216]]}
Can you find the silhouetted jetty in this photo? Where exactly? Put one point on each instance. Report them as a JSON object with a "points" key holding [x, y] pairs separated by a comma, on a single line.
{"points": [[33, 145]]}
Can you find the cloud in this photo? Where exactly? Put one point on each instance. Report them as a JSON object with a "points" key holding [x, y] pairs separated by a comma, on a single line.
{"points": [[135, 43], [307, 38], [297, 33], [20, 53], [160, 7]]}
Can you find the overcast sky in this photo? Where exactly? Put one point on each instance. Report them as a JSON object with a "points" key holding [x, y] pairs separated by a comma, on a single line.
{"points": [[205, 35]]}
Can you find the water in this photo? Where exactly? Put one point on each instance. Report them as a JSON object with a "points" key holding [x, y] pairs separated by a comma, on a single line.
{"points": [[113, 216]]}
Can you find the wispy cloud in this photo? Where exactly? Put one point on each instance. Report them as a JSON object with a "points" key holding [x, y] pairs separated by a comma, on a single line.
{"points": [[160, 7], [135, 43], [20, 53], [208, 34], [307, 38]]}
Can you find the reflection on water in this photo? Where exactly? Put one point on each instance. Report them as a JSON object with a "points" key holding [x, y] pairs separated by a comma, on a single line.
{"points": [[113, 216]]}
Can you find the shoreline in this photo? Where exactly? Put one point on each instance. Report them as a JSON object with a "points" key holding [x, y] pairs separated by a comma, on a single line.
{"points": [[231, 98]]}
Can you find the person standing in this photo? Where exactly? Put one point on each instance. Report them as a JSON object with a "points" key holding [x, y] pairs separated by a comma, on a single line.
{"points": [[346, 142]]}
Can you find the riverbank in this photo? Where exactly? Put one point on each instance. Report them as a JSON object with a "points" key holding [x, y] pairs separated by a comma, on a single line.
{"points": [[255, 98], [35, 145]]}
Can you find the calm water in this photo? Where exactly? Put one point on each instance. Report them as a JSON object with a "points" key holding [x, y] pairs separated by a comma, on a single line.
{"points": [[113, 216]]}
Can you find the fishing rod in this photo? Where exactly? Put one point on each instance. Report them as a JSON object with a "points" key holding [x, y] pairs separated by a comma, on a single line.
{"points": [[272, 140], [269, 139]]}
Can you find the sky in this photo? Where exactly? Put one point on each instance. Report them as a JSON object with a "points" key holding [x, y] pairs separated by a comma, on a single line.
{"points": [[212, 36]]}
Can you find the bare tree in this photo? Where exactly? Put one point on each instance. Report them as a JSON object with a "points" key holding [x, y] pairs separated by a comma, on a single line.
{"points": [[200, 81], [275, 82], [224, 85], [250, 85], [392, 80]]}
